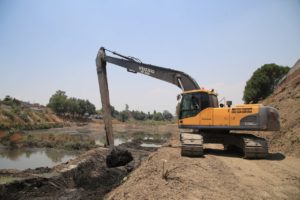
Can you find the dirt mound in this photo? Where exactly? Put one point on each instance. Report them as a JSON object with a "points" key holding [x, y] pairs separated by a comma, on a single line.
{"points": [[286, 98]]}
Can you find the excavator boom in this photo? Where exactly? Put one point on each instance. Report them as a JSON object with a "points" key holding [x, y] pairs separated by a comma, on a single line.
{"points": [[178, 78]]}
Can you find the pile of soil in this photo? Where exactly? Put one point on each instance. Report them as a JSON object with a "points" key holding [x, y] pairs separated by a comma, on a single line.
{"points": [[286, 98]]}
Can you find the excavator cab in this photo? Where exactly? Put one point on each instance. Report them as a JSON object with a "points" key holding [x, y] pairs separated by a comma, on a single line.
{"points": [[193, 102]]}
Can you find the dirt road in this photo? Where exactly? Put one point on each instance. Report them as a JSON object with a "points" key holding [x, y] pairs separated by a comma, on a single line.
{"points": [[220, 175]]}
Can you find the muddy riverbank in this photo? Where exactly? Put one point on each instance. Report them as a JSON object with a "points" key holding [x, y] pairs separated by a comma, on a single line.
{"points": [[86, 137], [84, 176]]}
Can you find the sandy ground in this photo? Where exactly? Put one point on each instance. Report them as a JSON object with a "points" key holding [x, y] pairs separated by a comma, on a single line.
{"points": [[219, 175]]}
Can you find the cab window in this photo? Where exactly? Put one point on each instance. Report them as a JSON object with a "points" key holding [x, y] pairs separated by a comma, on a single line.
{"points": [[193, 103], [214, 101]]}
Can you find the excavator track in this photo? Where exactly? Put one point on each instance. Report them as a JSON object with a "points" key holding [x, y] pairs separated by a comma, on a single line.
{"points": [[254, 147], [191, 145]]}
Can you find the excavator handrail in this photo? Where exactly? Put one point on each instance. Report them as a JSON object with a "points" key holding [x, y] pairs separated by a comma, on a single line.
{"points": [[178, 78]]}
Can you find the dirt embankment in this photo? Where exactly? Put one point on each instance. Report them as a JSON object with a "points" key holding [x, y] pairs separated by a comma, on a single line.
{"points": [[286, 99], [19, 117], [219, 175]]}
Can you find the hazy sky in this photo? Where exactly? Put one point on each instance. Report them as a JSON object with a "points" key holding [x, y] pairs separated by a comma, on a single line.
{"points": [[50, 45]]}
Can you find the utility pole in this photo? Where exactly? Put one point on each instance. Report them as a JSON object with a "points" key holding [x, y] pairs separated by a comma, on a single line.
{"points": [[104, 93]]}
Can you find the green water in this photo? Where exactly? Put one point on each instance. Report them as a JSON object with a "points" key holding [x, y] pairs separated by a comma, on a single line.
{"points": [[25, 158]]}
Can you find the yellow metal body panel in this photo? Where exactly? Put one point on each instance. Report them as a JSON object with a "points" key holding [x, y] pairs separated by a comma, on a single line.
{"points": [[206, 117], [241, 111], [221, 116], [190, 120]]}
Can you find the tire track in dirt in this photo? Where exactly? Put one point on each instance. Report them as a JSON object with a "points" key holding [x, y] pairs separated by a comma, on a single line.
{"points": [[264, 179]]}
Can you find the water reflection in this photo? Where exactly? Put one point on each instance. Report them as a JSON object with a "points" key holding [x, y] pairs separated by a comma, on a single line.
{"points": [[150, 145], [147, 139], [33, 157]]}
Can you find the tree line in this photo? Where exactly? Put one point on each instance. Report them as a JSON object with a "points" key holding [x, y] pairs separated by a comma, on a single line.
{"points": [[63, 105], [127, 114]]}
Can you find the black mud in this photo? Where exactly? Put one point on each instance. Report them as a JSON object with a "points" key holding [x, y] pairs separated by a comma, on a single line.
{"points": [[85, 177], [118, 157]]}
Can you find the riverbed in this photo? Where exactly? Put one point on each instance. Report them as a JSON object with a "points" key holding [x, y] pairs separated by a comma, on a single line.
{"points": [[31, 151]]}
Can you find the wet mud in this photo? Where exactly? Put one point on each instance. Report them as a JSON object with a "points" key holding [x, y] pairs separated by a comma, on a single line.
{"points": [[86, 177]]}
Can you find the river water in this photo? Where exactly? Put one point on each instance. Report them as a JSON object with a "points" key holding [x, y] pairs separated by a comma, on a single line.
{"points": [[146, 139], [25, 158]]}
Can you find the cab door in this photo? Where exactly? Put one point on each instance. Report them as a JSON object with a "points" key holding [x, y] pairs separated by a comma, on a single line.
{"points": [[206, 113]]}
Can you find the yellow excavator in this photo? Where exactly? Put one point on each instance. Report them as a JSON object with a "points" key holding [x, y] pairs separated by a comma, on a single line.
{"points": [[200, 117]]}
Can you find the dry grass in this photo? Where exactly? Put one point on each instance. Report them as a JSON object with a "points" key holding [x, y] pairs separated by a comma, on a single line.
{"points": [[16, 137], [2, 134]]}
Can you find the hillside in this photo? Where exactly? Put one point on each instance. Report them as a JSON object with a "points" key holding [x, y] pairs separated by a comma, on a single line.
{"points": [[22, 115], [286, 98]]}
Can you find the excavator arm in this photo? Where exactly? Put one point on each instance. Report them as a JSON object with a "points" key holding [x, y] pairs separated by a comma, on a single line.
{"points": [[178, 78]]}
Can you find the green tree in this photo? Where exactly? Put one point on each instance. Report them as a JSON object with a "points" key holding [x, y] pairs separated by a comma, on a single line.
{"points": [[8, 100], [58, 101], [123, 116], [157, 116], [263, 82], [167, 115], [114, 112], [90, 108], [82, 107], [72, 106], [149, 115], [138, 115], [61, 105]]}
